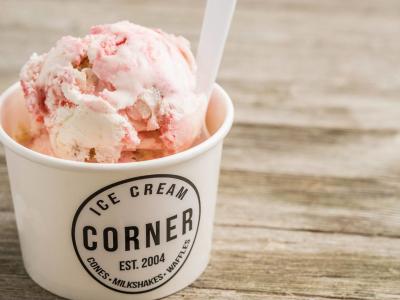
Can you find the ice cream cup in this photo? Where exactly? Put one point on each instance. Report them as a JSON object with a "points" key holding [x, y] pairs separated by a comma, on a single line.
{"points": [[114, 231]]}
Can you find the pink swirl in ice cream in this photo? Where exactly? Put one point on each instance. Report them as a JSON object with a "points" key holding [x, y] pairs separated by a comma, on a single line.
{"points": [[122, 93]]}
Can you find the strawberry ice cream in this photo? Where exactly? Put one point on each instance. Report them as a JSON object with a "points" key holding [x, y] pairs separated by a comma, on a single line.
{"points": [[122, 93]]}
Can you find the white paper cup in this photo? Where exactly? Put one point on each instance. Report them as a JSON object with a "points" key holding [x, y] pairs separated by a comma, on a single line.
{"points": [[138, 230]]}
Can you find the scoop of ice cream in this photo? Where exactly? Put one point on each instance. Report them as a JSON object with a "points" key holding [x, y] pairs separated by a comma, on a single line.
{"points": [[110, 96]]}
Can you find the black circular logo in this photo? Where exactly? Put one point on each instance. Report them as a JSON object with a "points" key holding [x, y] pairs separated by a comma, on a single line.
{"points": [[134, 235]]}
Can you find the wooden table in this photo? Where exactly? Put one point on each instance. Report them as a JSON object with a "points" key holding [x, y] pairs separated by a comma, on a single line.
{"points": [[309, 199]]}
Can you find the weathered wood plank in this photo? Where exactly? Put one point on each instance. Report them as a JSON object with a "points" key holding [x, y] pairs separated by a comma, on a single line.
{"points": [[5, 193], [304, 264], [369, 207], [314, 151], [277, 102]]}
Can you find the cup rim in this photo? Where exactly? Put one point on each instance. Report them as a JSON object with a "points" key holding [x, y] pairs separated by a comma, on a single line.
{"points": [[176, 158]]}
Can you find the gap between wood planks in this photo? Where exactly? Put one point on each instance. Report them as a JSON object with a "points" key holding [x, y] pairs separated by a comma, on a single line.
{"points": [[309, 230]]}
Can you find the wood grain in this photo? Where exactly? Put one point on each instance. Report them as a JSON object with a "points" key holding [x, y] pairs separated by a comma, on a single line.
{"points": [[309, 192]]}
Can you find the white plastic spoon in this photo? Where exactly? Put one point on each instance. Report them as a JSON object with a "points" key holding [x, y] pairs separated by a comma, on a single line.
{"points": [[216, 24]]}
